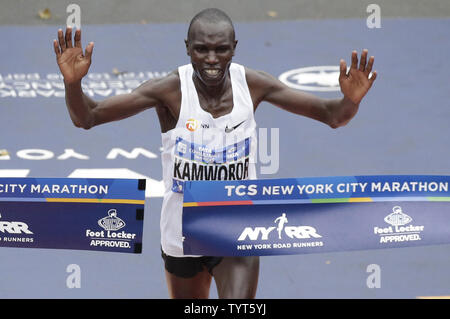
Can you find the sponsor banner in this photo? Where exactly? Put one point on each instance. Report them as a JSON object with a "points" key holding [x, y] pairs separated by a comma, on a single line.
{"points": [[51, 85], [72, 213], [315, 215]]}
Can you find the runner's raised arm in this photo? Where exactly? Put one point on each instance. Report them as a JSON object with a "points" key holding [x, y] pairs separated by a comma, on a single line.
{"points": [[84, 111]]}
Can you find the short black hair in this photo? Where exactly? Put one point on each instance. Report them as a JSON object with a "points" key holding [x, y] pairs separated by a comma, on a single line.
{"points": [[211, 15]]}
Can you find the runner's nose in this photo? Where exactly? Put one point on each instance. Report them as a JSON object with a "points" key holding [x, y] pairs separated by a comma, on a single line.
{"points": [[211, 58]]}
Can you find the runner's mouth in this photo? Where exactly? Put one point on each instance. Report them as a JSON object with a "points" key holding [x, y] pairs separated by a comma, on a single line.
{"points": [[212, 73]]}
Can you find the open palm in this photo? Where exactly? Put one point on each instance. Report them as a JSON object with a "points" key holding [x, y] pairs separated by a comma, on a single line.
{"points": [[356, 82], [72, 63]]}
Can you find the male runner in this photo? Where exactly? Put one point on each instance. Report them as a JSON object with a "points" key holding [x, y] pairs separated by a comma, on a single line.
{"points": [[198, 105]]}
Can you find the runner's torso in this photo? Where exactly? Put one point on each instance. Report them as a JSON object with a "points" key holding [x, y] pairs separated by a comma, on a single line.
{"points": [[202, 147]]}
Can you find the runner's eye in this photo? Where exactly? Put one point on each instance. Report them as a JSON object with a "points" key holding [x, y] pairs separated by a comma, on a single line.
{"points": [[201, 49], [222, 49]]}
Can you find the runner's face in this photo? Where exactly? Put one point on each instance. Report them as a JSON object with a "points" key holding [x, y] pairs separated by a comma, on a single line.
{"points": [[211, 48]]}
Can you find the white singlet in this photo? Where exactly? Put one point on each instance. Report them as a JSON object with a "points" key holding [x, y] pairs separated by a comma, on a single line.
{"points": [[202, 147]]}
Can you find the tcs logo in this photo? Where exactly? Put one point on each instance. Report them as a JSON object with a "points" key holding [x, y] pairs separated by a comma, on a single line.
{"points": [[192, 124]]}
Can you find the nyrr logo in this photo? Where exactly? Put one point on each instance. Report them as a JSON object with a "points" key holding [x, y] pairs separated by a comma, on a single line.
{"points": [[14, 227], [111, 222], [314, 78], [294, 232], [398, 232]]}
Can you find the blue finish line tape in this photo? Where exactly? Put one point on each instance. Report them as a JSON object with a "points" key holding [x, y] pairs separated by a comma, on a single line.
{"points": [[69, 213], [315, 215]]}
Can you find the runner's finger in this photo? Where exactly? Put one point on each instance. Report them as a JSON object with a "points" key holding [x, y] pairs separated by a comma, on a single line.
{"points": [[56, 48], [62, 42], [77, 38], [69, 37], [354, 59], [362, 62]]}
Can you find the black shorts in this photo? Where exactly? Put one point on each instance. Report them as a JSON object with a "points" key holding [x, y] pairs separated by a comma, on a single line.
{"points": [[187, 267]]}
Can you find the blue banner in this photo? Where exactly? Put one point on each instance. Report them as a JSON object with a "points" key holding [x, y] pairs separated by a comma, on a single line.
{"points": [[71, 213], [315, 215]]}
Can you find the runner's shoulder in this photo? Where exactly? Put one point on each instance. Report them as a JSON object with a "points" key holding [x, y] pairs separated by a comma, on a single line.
{"points": [[162, 87], [260, 80], [168, 82]]}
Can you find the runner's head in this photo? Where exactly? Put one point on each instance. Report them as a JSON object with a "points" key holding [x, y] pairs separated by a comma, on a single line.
{"points": [[210, 44], [212, 16]]}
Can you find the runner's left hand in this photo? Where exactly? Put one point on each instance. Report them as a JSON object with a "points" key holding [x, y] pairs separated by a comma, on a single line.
{"points": [[356, 83]]}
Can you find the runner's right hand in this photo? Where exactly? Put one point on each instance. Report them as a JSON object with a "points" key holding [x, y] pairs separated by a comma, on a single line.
{"points": [[71, 61]]}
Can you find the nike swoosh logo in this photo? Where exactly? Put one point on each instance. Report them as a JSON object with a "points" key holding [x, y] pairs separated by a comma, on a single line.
{"points": [[231, 129]]}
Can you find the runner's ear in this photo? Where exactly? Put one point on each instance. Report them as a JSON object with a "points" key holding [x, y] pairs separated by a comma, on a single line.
{"points": [[234, 46], [187, 46]]}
